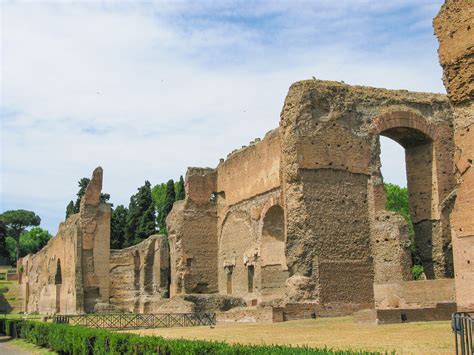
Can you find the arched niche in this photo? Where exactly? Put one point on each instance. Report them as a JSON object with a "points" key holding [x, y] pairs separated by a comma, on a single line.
{"points": [[272, 250]]}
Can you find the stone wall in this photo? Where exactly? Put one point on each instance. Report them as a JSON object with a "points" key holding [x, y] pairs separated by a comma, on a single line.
{"points": [[454, 27], [71, 273], [192, 228], [330, 167], [414, 294], [139, 276]]}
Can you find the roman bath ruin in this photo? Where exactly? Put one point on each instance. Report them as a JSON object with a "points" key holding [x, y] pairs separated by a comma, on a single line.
{"points": [[294, 224]]}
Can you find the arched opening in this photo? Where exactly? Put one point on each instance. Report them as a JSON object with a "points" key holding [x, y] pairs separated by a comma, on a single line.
{"points": [[415, 195], [272, 251]]}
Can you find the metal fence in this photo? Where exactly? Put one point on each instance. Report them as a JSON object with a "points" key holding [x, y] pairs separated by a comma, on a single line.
{"points": [[136, 321], [462, 325]]}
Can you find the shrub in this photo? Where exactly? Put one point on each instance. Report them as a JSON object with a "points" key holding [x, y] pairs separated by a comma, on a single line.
{"points": [[67, 339]]}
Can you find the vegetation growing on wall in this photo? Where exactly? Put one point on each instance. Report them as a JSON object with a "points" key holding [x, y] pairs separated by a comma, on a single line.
{"points": [[397, 201]]}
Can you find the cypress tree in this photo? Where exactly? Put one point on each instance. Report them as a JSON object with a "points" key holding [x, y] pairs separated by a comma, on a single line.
{"points": [[70, 209], [180, 194], [82, 190], [170, 197], [141, 222], [118, 227]]}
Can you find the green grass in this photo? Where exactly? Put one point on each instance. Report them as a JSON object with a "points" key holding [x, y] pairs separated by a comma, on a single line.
{"points": [[31, 348], [80, 340]]}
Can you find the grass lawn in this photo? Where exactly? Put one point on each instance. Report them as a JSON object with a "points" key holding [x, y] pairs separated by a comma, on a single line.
{"points": [[28, 347], [337, 333]]}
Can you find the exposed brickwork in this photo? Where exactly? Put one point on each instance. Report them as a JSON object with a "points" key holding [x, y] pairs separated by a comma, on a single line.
{"points": [[454, 27]]}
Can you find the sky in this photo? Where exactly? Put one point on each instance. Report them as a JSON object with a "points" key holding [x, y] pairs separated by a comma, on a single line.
{"points": [[146, 89]]}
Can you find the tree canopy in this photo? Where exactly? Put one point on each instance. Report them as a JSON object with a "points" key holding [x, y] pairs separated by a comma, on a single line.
{"points": [[118, 227], [141, 220], [16, 222]]}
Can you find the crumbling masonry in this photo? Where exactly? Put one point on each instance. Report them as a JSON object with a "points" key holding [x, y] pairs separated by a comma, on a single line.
{"points": [[297, 221]]}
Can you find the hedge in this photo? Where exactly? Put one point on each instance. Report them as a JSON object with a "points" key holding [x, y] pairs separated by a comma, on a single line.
{"points": [[68, 339]]}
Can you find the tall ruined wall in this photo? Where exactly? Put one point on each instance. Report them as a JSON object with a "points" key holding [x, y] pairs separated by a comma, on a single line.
{"points": [[248, 185], [330, 167], [139, 275], [49, 280], [192, 228], [454, 27], [94, 243], [71, 273], [251, 170]]}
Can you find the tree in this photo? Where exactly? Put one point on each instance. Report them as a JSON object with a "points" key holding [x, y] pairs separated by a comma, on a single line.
{"points": [[397, 201], [75, 207], [70, 209], [158, 194], [118, 227], [3, 237], [82, 190], [170, 198], [180, 193], [33, 240], [141, 222], [16, 222]]}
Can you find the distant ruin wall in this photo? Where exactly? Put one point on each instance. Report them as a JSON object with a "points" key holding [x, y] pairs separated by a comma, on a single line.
{"points": [[192, 228], [454, 28], [414, 294], [251, 170], [49, 280], [71, 273], [139, 276]]}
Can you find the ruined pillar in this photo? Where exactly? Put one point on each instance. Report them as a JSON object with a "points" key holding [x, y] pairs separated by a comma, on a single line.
{"points": [[454, 27]]}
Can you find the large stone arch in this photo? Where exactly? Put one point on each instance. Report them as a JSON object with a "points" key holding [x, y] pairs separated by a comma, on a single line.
{"points": [[426, 166]]}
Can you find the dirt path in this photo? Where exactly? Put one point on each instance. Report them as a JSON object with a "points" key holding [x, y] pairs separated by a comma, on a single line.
{"points": [[7, 349]]}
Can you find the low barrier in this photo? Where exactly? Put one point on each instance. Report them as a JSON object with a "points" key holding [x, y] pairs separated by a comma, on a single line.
{"points": [[137, 321], [462, 325]]}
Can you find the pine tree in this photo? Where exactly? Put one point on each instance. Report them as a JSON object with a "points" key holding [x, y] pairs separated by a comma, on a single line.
{"points": [[70, 209], [180, 193], [82, 190], [118, 227], [141, 222]]}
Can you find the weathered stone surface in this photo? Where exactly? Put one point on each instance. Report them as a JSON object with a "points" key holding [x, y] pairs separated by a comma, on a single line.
{"points": [[71, 273], [139, 275], [297, 220], [454, 27], [391, 248]]}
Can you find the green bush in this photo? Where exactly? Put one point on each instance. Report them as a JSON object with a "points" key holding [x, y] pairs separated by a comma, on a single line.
{"points": [[66, 339]]}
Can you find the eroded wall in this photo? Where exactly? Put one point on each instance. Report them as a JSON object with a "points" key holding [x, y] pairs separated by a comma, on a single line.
{"points": [[139, 276], [192, 228], [81, 248], [332, 184], [454, 27]]}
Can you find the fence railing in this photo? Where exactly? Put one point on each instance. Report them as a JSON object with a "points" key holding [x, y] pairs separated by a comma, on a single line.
{"points": [[462, 325], [137, 321]]}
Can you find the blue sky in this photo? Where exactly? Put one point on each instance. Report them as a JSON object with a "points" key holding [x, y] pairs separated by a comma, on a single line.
{"points": [[145, 89]]}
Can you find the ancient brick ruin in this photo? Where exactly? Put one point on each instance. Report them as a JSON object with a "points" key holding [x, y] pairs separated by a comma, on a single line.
{"points": [[295, 223]]}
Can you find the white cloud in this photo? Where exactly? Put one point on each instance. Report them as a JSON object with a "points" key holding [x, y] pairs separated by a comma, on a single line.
{"points": [[147, 89]]}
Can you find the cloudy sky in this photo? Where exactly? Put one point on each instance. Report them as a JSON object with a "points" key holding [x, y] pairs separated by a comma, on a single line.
{"points": [[145, 89]]}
